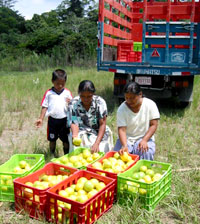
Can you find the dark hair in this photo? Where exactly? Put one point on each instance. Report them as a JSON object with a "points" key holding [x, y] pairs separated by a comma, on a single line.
{"points": [[86, 85], [59, 74], [132, 87]]}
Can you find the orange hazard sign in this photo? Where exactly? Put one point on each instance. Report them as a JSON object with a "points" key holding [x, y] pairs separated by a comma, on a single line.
{"points": [[155, 53]]}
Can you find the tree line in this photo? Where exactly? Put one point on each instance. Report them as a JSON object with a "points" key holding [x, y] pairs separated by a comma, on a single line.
{"points": [[62, 36]]}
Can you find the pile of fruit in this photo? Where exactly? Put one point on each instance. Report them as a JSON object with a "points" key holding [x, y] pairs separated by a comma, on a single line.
{"points": [[46, 181], [83, 190], [82, 159], [144, 175], [5, 180], [22, 167], [115, 164]]}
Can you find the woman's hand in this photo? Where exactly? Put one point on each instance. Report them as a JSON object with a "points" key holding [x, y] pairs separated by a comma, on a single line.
{"points": [[95, 148], [143, 146], [123, 149]]}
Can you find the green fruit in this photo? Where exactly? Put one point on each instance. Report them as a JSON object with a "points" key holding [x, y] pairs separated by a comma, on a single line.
{"points": [[88, 186], [77, 141], [143, 168], [142, 191], [136, 176], [150, 172]]}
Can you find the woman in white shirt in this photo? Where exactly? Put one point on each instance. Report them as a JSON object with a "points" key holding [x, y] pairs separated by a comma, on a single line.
{"points": [[137, 121]]}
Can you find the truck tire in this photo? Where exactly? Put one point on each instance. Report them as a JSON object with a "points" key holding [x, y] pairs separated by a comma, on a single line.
{"points": [[186, 94]]}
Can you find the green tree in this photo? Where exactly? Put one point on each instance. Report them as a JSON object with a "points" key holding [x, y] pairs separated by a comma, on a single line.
{"points": [[11, 21], [7, 3]]}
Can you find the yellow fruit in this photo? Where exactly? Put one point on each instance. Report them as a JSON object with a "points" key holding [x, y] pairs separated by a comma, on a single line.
{"points": [[82, 198], [89, 159], [79, 186], [82, 180], [64, 160], [147, 179], [4, 188], [94, 181], [27, 168], [69, 190], [92, 193], [60, 217], [150, 172], [6, 177], [73, 159], [22, 164], [86, 153], [125, 157], [17, 169], [37, 183], [95, 155], [9, 182], [116, 155], [73, 197], [97, 165], [157, 177], [100, 186], [107, 164], [143, 169], [77, 164], [142, 191], [88, 186], [63, 193], [81, 192], [117, 169], [77, 141], [28, 193]]}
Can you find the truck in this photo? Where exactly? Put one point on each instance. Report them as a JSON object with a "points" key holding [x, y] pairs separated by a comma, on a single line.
{"points": [[154, 43]]}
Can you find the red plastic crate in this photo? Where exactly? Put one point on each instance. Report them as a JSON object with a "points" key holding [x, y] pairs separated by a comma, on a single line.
{"points": [[80, 213], [33, 200], [124, 47], [132, 56], [109, 174]]}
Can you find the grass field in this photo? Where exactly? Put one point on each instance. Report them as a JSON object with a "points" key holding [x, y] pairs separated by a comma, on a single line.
{"points": [[177, 140]]}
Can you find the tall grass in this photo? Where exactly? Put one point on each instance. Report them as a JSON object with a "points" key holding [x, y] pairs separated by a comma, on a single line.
{"points": [[35, 62], [177, 141]]}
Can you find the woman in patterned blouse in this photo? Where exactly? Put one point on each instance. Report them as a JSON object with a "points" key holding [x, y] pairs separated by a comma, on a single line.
{"points": [[87, 119]]}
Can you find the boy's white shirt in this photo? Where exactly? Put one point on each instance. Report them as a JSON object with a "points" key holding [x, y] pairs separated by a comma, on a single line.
{"points": [[56, 104], [137, 124]]}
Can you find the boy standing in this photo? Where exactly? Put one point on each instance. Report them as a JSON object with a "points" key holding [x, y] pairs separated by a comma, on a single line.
{"points": [[54, 106]]}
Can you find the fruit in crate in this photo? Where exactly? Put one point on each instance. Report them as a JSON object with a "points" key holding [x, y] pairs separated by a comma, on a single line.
{"points": [[82, 159], [77, 141], [83, 190], [143, 175], [6, 180], [114, 164], [22, 167], [46, 181]]}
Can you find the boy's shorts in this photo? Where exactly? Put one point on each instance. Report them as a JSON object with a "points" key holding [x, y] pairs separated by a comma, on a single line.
{"points": [[57, 128]]}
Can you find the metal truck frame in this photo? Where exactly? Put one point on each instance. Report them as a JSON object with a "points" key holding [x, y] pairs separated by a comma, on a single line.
{"points": [[168, 35]]}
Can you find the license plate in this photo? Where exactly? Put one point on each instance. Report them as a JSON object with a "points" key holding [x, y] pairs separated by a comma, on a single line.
{"points": [[146, 81]]}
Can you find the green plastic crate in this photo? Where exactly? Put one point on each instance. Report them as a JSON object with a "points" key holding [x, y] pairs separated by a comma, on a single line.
{"points": [[7, 174], [137, 46], [77, 151], [149, 194]]}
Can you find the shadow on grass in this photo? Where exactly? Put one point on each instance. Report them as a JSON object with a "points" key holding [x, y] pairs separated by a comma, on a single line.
{"points": [[171, 107]]}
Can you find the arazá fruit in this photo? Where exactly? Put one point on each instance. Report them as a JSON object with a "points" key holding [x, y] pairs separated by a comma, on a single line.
{"points": [[77, 141]]}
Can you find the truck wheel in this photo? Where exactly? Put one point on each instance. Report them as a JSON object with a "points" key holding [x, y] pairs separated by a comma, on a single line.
{"points": [[183, 104]]}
